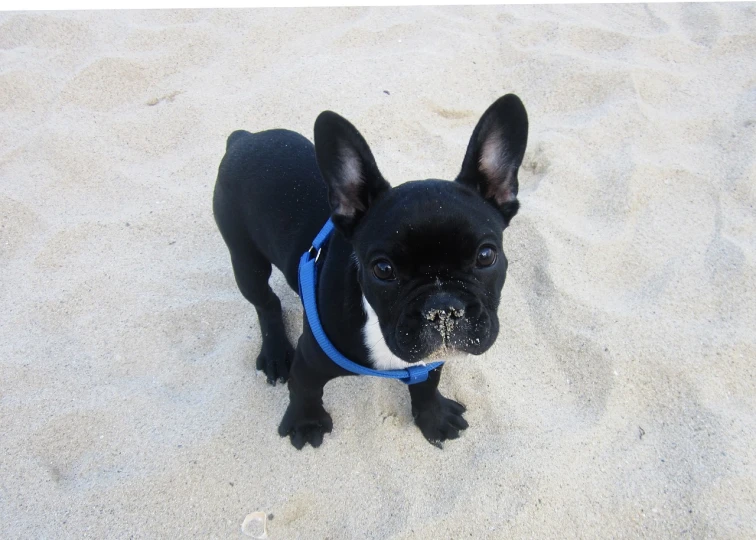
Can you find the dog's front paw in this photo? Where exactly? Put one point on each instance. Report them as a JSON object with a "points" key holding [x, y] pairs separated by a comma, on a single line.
{"points": [[275, 361], [439, 420], [305, 426]]}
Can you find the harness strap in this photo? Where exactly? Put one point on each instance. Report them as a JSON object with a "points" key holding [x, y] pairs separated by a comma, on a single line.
{"points": [[308, 280]]}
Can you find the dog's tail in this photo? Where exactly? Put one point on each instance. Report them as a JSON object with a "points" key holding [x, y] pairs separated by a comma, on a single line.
{"points": [[234, 137]]}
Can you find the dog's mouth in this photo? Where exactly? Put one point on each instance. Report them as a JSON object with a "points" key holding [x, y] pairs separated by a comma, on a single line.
{"points": [[444, 353], [444, 321], [441, 334]]}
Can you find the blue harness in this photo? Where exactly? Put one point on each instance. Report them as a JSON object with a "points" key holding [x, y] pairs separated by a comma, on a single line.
{"points": [[308, 280]]}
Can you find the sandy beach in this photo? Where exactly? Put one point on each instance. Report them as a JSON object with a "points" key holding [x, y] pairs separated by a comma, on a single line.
{"points": [[620, 398]]}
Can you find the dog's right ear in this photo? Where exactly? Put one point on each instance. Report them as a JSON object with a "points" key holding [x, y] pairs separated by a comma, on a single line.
{"points": [[349, 170]]}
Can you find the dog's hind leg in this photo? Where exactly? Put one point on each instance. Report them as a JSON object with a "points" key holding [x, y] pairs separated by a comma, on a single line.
{"points": [[252, 271]]}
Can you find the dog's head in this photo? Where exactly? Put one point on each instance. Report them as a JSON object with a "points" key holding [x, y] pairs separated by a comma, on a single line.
{"points": [[428, 253]]}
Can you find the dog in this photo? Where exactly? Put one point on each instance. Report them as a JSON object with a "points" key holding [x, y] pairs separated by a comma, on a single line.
{"points": [[412, 273]]}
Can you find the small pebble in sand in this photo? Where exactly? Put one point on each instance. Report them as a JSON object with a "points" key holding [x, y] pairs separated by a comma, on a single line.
{"points": [[255, 525]]}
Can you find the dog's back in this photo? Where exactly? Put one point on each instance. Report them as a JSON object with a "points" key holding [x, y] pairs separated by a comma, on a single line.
{"points": [[270, 199]]}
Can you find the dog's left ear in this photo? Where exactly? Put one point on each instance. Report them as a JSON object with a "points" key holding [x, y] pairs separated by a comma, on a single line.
{"points": [[495, 154], [349, 170]]}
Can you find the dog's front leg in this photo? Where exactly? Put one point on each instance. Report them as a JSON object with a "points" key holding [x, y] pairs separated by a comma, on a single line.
{"points": [[305, 420], [437, 417]]}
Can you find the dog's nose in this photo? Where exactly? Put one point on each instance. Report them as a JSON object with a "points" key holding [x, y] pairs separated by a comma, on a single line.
{"points": [[443, 306]]}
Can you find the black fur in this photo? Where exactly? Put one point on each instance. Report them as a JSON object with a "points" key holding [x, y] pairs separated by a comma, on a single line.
{"points": [[274, 192]]}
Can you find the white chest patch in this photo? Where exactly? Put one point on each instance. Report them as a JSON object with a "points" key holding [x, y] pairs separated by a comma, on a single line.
{"points": [[380, 355]]}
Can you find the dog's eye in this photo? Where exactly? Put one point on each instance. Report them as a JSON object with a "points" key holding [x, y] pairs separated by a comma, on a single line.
{"points": [[384, 271], [486, 256]]}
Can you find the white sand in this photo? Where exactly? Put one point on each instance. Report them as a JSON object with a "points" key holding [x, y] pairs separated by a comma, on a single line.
{"points": [[620, 398]]}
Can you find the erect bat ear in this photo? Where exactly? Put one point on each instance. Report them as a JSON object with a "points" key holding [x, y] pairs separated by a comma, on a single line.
{"points": [[349, 170], [495, 153]]}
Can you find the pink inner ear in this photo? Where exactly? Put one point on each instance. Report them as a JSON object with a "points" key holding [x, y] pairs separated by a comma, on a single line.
{"points": [[501, 195], [349, 202], [351, 171], [496, 171], [344, 209]]}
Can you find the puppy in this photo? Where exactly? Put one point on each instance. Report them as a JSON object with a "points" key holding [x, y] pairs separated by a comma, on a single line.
{"points": [[411, 274]]}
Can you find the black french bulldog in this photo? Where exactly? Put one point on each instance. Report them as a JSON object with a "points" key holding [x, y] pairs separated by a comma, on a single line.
{"points": [[412, 273]]}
